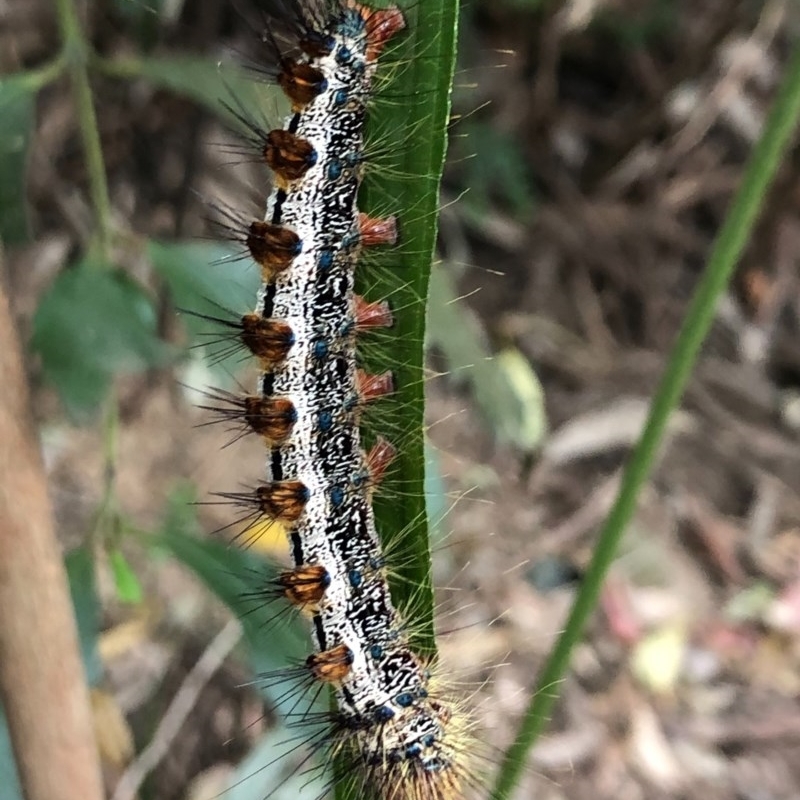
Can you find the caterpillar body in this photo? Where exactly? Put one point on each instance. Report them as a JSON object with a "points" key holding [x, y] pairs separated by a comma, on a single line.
{"points": [[392, 724]]}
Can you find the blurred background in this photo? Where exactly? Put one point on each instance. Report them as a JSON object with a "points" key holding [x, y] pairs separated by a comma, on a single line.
{"points": [[595, 148]]}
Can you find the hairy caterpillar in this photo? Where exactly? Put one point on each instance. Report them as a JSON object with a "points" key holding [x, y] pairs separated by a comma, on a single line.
{"points": [[393, 729]]}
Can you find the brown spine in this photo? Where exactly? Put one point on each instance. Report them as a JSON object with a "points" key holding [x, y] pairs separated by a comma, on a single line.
{"points": [[282, 500], [270, 417], [289, 156], [267, 339], [301, 83], [331, 666], [272, 247], [305, 586]]}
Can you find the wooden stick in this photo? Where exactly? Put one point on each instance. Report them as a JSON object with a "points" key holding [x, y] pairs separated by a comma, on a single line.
{"points": [[42, 682]]}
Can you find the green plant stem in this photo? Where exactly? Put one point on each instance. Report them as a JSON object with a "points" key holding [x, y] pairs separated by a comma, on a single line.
{"points": [[105, 528], [121, 67], [728, 247], [37, 79], [77, 53]]}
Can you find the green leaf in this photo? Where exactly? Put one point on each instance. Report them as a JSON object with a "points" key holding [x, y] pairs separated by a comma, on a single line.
{"points": [[94, 322], [408, 121], [17, 96], [210, 84], [129, 590], [522, 421], [80, 573], [207, 279], [495, 171], [505, 387]]}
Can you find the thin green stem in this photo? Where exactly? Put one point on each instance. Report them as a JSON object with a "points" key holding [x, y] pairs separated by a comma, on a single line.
{"points": [[77, 52], [728, 247], [122, 67], [107, 514], [37, 79]]}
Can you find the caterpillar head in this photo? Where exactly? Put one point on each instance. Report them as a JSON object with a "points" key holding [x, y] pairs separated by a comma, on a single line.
{"points": [[415, 755]]}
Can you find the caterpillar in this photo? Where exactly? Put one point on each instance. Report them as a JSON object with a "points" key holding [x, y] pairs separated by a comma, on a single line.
{"points": [[394, 728]]}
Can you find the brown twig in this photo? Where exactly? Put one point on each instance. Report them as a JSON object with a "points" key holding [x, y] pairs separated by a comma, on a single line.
{"points": [[42, 683], [179, 709]]}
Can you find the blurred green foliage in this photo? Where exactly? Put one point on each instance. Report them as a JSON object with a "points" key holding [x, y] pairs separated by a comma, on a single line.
{"points": [[656, 20], [93, 322], [504, 385], [17, 102], [494, 172]]}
